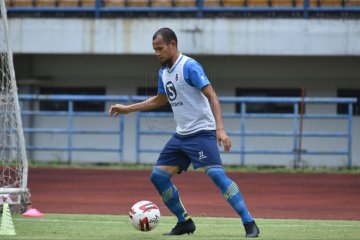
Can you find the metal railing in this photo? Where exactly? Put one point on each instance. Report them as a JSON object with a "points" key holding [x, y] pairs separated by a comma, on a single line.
{"points": [[243, 133], [70, 131], [98, 9]]}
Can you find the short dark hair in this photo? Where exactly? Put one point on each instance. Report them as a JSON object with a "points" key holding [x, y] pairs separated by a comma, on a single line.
{"points": [[167, 34]]}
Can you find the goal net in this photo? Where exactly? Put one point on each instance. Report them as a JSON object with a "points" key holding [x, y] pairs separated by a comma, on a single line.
{"points": [[13, 161]]}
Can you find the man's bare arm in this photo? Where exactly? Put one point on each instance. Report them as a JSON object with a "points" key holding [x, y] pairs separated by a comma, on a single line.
{"points": [[149, 104], [222, 137]]}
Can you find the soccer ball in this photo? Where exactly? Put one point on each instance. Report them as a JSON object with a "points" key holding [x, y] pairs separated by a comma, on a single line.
{"points": [[144, 216]]}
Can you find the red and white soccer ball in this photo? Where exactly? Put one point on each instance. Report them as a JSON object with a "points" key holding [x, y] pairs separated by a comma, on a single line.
{"points": [[144, 216]]}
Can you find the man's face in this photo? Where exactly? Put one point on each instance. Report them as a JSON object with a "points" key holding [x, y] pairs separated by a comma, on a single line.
{"points": [[164, 51]]}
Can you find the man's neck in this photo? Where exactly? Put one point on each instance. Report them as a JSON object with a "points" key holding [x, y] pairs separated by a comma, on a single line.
{"points": [[173, 60]]}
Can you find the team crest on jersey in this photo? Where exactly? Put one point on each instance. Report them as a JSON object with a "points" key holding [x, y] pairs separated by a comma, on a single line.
{"points": [[177, 76]]}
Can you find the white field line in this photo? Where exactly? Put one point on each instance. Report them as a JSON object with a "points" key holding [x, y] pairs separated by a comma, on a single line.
{"points": [[201, 224]]}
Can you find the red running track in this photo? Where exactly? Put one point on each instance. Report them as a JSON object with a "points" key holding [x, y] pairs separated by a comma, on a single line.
{"points": [[298, 196]]}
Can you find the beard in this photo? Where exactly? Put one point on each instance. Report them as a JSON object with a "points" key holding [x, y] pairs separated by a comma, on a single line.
{"points": [[165, 63]]}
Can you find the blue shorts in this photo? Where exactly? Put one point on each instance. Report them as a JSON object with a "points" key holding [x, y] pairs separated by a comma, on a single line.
{"points": [[199, 149]]}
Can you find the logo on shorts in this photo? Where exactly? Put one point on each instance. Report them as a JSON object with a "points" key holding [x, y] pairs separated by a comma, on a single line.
{"points": [[201, 155]]}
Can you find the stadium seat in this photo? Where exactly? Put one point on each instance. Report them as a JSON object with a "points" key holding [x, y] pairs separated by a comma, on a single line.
{"points": [[45, 3], [185, 3], [22, 3], [212, 3], [291, 3], [258, 3], [88, 3], [161, 3], [8, 3], [313, 3], [352, 2], [282, 3], [138, 3], [114, 3], [330, 3], [234, 3], [326, 3], [68, 3]]}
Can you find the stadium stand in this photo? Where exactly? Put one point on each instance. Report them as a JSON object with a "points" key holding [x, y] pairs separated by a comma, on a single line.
{"points": [[45, 3], [114, 3], [22, 3], [352, 3], [287, 3], [212, 3], [330, 3], [181, 3], [176, 8], [256, 3], [237, 3], [88, 3], [138, 3], [162, 3], [69, 3], [185, 3]]}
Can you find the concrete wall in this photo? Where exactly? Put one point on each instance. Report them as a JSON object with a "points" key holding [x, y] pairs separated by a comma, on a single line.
{"points": [[321, 55], [199, 36], [122, 74]]}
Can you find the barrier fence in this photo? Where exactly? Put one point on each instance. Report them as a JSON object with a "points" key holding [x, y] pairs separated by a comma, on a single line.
{"points": [[243, 133], [242, 150], [70, 131]]}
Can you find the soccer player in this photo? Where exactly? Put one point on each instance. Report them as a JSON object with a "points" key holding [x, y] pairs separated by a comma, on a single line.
{"points": [[197, 112]]}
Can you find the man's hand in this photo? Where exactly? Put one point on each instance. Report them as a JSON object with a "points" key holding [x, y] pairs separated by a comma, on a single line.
{"points": [[118, 109], [223, 139]]}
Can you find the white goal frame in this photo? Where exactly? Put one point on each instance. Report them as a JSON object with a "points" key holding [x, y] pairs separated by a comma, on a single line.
{"points": [[21, 190]]}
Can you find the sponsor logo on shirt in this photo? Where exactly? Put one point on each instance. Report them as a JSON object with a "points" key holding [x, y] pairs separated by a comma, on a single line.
{"points": [[171, 91]]}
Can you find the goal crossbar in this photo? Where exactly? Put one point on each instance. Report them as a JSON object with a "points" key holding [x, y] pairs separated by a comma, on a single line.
{"points": [[13, 190]]}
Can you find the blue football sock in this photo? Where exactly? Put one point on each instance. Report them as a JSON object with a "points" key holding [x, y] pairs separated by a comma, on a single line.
{"points": [[230, 191], [169, 193]]}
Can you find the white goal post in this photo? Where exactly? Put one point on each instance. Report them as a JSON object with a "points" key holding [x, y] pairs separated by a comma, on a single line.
{"points": [[13, 160]]}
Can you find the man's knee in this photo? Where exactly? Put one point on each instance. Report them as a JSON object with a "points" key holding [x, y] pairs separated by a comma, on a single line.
{"points": [[158, 176], [216, 173], [170, 169], [219, 177]]}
